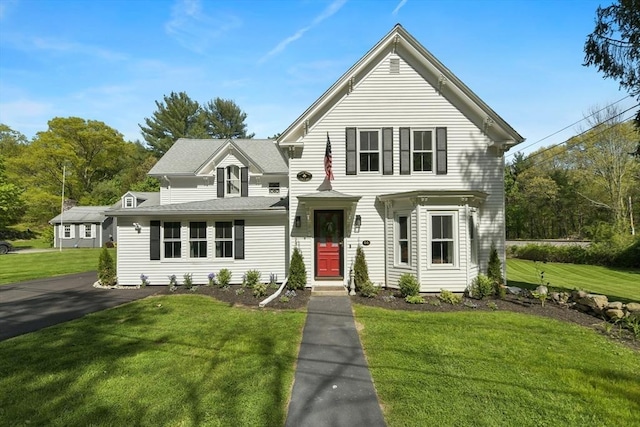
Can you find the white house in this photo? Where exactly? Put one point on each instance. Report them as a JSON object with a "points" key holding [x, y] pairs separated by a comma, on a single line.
{"points": [[417, 163]]}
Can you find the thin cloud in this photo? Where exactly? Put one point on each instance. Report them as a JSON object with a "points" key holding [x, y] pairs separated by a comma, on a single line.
{"points": [[398, 7], [66, 47], [196, 30], [327, 13]]}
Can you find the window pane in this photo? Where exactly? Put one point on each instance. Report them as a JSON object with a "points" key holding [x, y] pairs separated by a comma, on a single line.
{"points": [[442, 252], [402, 225], [197, 230], [447, 227], [223, 230], [172, 230], [172, 249], [436, 225], [373, 141], [404, 252], [198, 249]]}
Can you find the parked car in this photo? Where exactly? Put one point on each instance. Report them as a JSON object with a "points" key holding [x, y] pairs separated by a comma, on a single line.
{"points": [[5, 247]]}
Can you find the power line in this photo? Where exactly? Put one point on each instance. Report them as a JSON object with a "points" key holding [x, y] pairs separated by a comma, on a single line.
{"points": [[567, 127], [580, 134]]}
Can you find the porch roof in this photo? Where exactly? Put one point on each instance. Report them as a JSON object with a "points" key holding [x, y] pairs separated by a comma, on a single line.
{"points": [[328, 195], [426, 196]]}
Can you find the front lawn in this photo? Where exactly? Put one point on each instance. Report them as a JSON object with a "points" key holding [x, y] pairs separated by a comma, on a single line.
{"points": [[496, 368], [21, 267], [617, 284], [179, 360]]}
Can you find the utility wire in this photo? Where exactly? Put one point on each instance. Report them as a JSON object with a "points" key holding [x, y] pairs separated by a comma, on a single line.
{"points": [[580, 134], [567, 127]]}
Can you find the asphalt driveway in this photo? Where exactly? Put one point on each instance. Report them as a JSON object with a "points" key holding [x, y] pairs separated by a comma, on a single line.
{"points": [[36, 304]]}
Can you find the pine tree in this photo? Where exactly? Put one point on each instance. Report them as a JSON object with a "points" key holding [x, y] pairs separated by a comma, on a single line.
{"points": [[360, 269], [297, 271], [494, 267], [106, 269]]}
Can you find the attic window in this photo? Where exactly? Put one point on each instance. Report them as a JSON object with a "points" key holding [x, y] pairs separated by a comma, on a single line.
{"points": [[274, 188], [394, 66], [128, 202]]}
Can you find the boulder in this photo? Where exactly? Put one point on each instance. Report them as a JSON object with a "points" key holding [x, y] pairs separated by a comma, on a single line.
{"points": [[633, 307], [614, 313], [576, 295], [615, 305], [514, 290], [597, 303], [542, 290]]}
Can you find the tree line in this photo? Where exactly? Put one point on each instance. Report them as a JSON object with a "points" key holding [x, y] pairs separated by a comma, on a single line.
{"points": [[99, 165]]}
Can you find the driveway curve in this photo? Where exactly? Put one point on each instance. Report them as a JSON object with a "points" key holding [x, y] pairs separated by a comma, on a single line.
{"points": [[36, 304]]}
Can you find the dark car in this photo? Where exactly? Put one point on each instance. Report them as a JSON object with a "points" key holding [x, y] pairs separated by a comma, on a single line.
{"points": [[5, 247]]}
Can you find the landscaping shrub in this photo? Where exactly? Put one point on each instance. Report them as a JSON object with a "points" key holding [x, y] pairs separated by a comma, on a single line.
{"points": [[368, 290], [414, 299], [251, 278], [224, 278], [106, 269], [409, 285], [360, 269], [188, 280], [482, 286], [297, 271], [630, 256], [449, 297], [494, 266], [259, 290]]}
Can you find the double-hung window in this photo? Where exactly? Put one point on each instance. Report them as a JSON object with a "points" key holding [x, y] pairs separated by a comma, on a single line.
{"points": [[422, 151], [233, 179], [172, 243], [403, 252], [198, 239], [442, 239], [88, 231], [369, 151], [66, 231], [224, 239]]}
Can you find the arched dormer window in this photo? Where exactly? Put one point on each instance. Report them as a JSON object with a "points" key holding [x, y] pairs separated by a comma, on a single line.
{"points": [[233, 179]]}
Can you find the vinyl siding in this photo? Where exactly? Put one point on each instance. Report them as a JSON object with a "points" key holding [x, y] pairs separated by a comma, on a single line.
{"points": [[400, 100], [265, 251]]}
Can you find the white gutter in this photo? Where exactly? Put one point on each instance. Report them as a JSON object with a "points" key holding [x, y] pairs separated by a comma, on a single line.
{"points": [[275, 294]]}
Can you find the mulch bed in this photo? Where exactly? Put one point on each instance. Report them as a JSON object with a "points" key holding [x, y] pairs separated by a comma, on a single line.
{"points": [[390, 299]]}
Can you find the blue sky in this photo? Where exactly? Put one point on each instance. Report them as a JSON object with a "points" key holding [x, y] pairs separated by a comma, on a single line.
{"points": [[110, 60]]}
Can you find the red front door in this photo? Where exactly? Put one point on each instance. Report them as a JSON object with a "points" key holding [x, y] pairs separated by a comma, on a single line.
{"points": [[329, 227]]}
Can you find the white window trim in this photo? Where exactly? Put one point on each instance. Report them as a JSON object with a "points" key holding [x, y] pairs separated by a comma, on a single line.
{"points": [[199, 239], [454, 232], [396, 232], [274, 188], [72, 231], [358, 151], [224, 239], [228, 181], [129, 202], [172, 239], [472, 221], [432, 151], [92, 231]]}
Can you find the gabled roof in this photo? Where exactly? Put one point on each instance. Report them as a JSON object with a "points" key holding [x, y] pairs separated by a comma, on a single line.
{"points": [[231, 205], [144, 198], [188, 156], [81, 214], [398, 40]]}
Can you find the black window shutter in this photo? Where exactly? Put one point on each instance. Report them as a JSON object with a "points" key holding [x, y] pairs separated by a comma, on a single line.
{"points": [[441, 151], [405, 151], [238, 239], [154, 241], [244, 182], [387, 151], [351, 151], [220, 181]]}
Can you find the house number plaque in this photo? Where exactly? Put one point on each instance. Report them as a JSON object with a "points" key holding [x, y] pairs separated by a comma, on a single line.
{"points": [[366, 243], [304, 176]]}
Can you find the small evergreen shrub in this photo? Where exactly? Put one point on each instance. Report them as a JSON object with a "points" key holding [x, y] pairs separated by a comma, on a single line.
{"points": [[224, 278], [106, 269], [251, 278], [435, 302], [409, 285], [360, 269], [482, 287], [414, 299], [188, 280], [449, 297], [259, 290], [494, 267], [368, 290], [297, 271]]}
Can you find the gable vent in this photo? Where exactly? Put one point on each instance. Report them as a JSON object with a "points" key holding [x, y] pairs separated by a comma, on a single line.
{"points": [[394, 66]]}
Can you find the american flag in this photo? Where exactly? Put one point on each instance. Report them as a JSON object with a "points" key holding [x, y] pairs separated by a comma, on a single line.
{"points": [[328, 160]]}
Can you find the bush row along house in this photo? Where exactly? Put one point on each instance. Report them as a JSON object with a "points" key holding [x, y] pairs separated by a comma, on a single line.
{"points": [[398, 156]]}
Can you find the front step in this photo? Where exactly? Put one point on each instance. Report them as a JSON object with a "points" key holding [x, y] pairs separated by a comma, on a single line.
{"points": [[329, 291]]}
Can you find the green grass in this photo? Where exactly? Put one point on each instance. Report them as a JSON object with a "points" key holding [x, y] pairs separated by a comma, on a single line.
{"points": [[182, 360], [22, 267], [617, 284], [497, 368]]}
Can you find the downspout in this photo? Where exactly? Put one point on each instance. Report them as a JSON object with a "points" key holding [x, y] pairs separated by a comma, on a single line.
{"points": [[168, 187], [275, 294], [468, 240], [386, 245]]}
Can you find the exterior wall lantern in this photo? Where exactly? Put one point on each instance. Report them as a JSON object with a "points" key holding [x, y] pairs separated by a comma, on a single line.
{"points": [[298, 221], [358, 221]]}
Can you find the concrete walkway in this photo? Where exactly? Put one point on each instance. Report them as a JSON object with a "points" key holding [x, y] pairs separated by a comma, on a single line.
{"points": [[332, 386]]}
